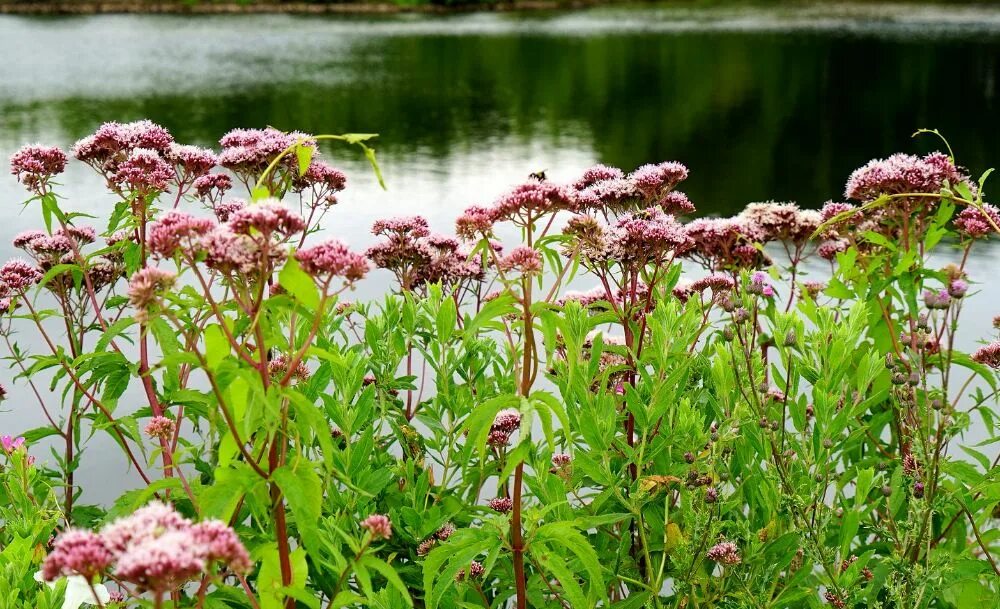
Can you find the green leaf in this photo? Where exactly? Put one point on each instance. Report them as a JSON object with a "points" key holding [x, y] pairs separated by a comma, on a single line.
{"points": [[389, 574], [299, 284], [303, 489], [304, 155]]}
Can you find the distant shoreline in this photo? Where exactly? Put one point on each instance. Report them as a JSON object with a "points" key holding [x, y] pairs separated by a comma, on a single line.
{"points": [[294, 8]]}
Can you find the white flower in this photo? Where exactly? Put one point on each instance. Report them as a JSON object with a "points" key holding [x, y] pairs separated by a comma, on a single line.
{"points": [[78, 592]]}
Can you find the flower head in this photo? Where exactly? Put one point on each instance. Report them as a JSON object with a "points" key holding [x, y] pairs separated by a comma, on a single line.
{"points": [[988, 355], [378, 525], [501, 504], [191, 161], [211, 187], [724, 243], [77, 552], [978, 222], [146, 284], [221, 544], [163, 563], [268, 217], [901, 174], [174, 229], [332, 259], [534, 198], [144, 169], [475, 222], [725, 553], [35, 165], [10, 444], [160, 427], [522, 259], [595, 174], [323, 181], [653, 181], [224, 210], [18, 275], [112, 141]]}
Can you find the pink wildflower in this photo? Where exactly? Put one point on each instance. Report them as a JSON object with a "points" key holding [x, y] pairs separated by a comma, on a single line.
{"points": [[160, 427], [145, 524], [77, 552], [903, 173], [507, 420], [533, 198], [225, 210], [191, 161], [653, 181], [267, 217], [475, 222], [18, 275], [229, 252], [146, 284], [988, 355], [10, 444], [725, 553], [595, 174], [162, 564], [332, 259], [221, 544], [35, 165], [211, 187], [174, 228], [378, 525], [522, 259], [975, 223], [144, 169], [676, 203], [501, 504]]}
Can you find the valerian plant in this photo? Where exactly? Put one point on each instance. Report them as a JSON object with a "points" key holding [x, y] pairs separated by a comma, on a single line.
{"points": [[768, 411]]}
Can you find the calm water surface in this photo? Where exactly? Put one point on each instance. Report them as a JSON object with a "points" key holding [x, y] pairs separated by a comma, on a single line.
{"points": [[760, 103]]}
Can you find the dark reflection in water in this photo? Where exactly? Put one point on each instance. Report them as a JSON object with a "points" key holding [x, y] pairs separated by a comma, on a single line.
{"points": [[755, 114]]}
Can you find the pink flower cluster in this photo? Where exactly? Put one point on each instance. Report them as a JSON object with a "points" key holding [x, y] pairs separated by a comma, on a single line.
{"points": [[160, 427], [191, 161], [18, 275], [332, 259], [146, 284], [378, 525], [155, 549], [504, 425], [783, 221], [725, 553], [248, 152], [323, 181], [238, 244], [976, 223], [903, 173], [417, 257], [501, 504], [608, 189], [176, 230], [112, 141], [35, 165], [726, 243], [523, 260], [144, 170], [268, 217], [211, 187], [988, 355]]}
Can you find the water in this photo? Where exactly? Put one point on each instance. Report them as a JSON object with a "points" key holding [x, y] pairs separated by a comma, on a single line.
{"points": [[760, 103]]}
